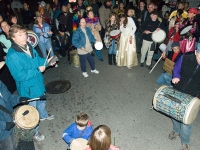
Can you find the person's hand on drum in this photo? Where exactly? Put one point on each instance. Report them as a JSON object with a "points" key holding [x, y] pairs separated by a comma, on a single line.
{"points": [[147, 32], [77, 143], [82, 48], [175, 80], [50, 32], [41, 33], [157, 29]]}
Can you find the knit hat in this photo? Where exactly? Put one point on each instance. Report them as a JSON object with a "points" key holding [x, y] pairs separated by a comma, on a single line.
{"points": [[174, 44], [193, 10]]}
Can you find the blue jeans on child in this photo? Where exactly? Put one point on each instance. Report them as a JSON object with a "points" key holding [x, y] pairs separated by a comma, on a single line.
{"points": [[99, 54], [44, 47], [183, 130], [90, 59], [113, 48], [164, 78]]}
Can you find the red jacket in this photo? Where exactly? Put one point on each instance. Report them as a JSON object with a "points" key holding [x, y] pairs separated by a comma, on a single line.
{"points": [[173, 37]]}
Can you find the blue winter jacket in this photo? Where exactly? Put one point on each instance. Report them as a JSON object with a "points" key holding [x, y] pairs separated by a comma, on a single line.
{"points": [[25, 71], [9, 101], [78, 38], [72, 132]]}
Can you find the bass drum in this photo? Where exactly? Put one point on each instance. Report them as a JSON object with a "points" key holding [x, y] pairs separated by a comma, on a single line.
{"points": [[32, 38]]}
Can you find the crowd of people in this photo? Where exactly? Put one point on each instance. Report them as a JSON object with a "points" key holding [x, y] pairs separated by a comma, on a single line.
{"points": [[125, 29]]}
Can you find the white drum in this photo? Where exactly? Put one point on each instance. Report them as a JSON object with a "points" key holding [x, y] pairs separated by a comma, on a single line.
{"points": [[83, 144], [162, 47], [115, 34], [98, 45], [32, 38], [158, 36], [186, 30]]}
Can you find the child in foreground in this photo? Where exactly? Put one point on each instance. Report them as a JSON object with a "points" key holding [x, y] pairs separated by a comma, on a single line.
{"points": [[101, 139], [81, 128]]}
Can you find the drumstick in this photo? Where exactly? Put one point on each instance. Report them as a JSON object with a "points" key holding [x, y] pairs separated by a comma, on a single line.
{"points": [[156, 64], [114, 141], [38, 98], [23, 114], [47, 57]]}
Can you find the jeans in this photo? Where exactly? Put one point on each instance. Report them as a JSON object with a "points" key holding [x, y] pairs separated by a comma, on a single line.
{"points": [[90, 59], [8, 143], [183, 130], [164, 78], [113, 48], [99, 54], [44, 47]]}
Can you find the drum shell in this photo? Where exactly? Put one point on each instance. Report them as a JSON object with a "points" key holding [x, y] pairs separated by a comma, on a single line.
{"points": [[34, 38], [74, 58], [28, 121], [185, 112], [116, 36]]}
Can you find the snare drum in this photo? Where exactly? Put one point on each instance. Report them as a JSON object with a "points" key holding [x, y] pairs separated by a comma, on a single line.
{"points": [[32, 38], [28, 121], [74, 58], [115, 34], [158, 36], [83, 143], [175, 104]]}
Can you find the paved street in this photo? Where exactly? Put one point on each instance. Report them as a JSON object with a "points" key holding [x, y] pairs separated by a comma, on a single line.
{"points": [[118, 97]]}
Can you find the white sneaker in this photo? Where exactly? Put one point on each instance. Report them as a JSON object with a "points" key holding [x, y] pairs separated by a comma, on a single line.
{"points": [[95, 71], [49, 117], [85, 74], [39, 137], [56, 65]]}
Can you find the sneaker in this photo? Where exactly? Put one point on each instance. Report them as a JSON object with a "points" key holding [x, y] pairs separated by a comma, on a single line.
{"points": [[49, 117], [173, 135], [142, 65], [149, 67], [56, 65], [85, 74], [95, 71], [185, 146], [39, 137], [101, 59]]}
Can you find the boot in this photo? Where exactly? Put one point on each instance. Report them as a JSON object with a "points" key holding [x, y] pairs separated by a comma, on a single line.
{"points": [[114, 59], [110, 59]]}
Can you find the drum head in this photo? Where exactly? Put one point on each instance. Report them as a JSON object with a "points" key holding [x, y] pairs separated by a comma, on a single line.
{"points": [[28, 121], [156, 94], [98, 45], [114, 32], [158, 36], [185, 30], [192, 111], [83, 144], [32, 38]]}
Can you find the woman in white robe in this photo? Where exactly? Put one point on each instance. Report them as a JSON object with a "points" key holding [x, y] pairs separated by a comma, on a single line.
{"points": [[126, 54]]}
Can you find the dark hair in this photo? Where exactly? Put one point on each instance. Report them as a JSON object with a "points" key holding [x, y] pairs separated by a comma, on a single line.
{"points": [[155, 12], [122, 15], [187, 3], [89, 12]]}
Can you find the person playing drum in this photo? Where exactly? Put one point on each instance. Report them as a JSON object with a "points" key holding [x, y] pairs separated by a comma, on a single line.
{"points": [[112, 42], [81, 128], [165, 77], [101, 139], [8, 101], [26, 67], [186, 74]]}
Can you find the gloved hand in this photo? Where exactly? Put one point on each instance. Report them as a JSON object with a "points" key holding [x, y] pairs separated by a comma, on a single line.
{"points": [[24, 100], [9, 125]]}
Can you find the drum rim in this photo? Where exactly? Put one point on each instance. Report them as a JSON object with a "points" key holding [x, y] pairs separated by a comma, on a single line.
{"points": [[34, 35], [190, 26], [98, 48], [154, 99], [22, 126], [161, 39], [193, 105], [114, 31], [80, 140]]}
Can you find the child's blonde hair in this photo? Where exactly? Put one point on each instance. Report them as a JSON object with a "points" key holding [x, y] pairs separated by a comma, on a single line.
{"points": [[82, 119], [132, 12], [100, 138]]}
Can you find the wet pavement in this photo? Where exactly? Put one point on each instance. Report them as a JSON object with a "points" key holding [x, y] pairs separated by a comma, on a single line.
{"points": [[118, 97]]}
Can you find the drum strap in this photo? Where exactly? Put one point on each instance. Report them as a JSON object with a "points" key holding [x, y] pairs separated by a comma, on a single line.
{"points": [[82, 132], [6, 110]]}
